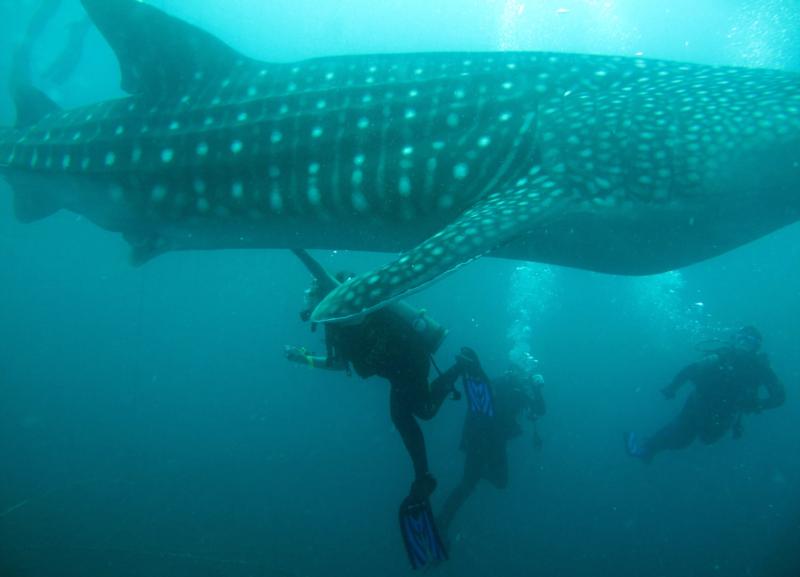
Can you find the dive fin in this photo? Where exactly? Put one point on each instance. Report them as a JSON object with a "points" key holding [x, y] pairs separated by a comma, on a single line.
{"points": [[421, 538], [493, 222], [480, 400], [636, 447], [159, 54]]}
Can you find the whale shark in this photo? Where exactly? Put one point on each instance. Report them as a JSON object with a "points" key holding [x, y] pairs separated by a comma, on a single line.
{"points": [[619, 165]]}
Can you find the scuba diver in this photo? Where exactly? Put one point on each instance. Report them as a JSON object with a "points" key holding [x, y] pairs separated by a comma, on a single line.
{"points": [[491, 421], [396, 343], [727, 386]]}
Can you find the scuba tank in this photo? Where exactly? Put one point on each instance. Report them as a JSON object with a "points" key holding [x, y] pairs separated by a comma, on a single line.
{"points": [[430, 332]]}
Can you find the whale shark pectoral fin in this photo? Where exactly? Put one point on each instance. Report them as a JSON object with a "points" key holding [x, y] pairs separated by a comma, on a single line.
{"points": [[159, 54], [494, 222]]}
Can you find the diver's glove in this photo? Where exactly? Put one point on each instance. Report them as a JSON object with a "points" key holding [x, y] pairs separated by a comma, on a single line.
{"points": [[296, 354]]}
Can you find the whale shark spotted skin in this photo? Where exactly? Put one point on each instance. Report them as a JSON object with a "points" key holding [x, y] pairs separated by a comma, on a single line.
{"points": [[619, 165]]}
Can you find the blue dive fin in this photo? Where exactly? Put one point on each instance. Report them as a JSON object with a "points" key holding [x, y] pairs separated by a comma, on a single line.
{"points": [[496, 221], [420, 536], [635, 447], [480, 401], [159, 54]]}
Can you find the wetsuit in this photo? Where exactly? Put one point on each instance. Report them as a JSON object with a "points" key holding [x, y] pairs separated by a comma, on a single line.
{"points": [[484, 441], [387, 346], [727, 385]]}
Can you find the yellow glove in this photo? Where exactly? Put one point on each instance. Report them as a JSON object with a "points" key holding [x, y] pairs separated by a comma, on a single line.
{"points": [[297, 354]]}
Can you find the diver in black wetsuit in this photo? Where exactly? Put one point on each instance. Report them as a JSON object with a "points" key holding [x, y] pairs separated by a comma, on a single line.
{"points": [[387, 345], [727, 385], [484, 439]]}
